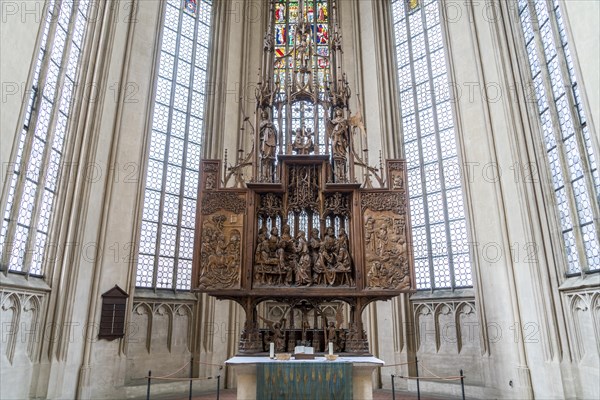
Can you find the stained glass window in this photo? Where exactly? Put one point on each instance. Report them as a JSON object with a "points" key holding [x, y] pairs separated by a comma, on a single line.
{"points": [[34, 182], [167, 228], [565, 132], [317, 59], [439, 229]]}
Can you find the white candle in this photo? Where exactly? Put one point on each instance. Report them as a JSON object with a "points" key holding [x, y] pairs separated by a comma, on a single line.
{"points": [[330, 348], [272, 350]]}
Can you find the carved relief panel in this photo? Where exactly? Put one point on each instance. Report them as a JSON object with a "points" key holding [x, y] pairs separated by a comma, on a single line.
{"points": [[221, 237], [303, 233], [387, 253]]}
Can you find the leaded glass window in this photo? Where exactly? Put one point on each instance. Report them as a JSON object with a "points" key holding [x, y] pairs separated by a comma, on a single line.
{"points": [[34, 182], [439, 228], [167, 227], [286, 15], [565, 132]]}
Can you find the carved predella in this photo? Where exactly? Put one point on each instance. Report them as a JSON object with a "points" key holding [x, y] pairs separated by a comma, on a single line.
{"points": [[302, 217]]}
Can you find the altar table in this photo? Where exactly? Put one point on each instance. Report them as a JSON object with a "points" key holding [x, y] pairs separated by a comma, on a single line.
{"points": [[247, 370]]}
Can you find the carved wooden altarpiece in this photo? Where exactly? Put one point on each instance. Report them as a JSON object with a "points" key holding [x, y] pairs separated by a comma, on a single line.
{"points": [[304, 230]]}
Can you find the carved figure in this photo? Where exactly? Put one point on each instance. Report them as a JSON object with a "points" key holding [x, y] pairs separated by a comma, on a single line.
{"points": [[386, 250], [339, 135], [342, 240], [286, 254], [314, 245], [209, 184], [303, 53], [269, 42], [220, 256], [261, 256], [320, 266], [274, 241], [327, 256], [381, 240], [398, 182], [331, 332], [303, 142], [376, 274], [305, 328], [342, 257], [303, 275], [276, 333], [268, 136]]}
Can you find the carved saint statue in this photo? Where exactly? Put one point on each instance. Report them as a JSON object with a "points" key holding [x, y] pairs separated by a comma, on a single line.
{"points": [[339, 135], [331, 332], [303, 53], [303, 276], [286, 255], [328, 256], [342, 259], [268, 137]]}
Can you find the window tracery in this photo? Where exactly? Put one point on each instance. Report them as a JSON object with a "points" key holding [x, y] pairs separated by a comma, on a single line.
{"points": [[169, 211], [35, 179], [567, 139], [439, 228]]}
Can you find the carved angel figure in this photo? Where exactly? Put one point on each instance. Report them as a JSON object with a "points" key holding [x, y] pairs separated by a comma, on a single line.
{"points": [[276, 333]]}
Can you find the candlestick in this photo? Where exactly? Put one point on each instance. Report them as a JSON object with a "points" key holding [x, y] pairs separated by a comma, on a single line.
{"points": [[271, 350], [330, 348]]}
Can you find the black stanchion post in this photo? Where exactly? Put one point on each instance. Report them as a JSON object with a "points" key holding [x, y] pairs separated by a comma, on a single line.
{"points": [[148, 388], [218, 384], [191, 376], [418, 380], [393, 389], [462, 384]]}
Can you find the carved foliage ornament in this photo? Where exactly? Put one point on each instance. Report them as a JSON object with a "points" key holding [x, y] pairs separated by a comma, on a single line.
{"points": [[396, 166], [337, 204], [212, 202], [303, 188], [210, 167], [384, 202], [271, 205]]}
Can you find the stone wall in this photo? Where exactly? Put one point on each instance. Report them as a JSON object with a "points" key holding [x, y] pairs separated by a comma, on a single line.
{"points": [[524, 329]]}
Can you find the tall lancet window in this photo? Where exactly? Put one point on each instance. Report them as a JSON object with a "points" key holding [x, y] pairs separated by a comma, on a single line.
{"points": [[310, 52], [167, 228], [302, 91], [36, 170], [569, 144], [439, 228]]}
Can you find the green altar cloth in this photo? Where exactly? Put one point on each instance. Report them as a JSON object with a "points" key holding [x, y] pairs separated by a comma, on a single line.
{"points": [[304, 381]]}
